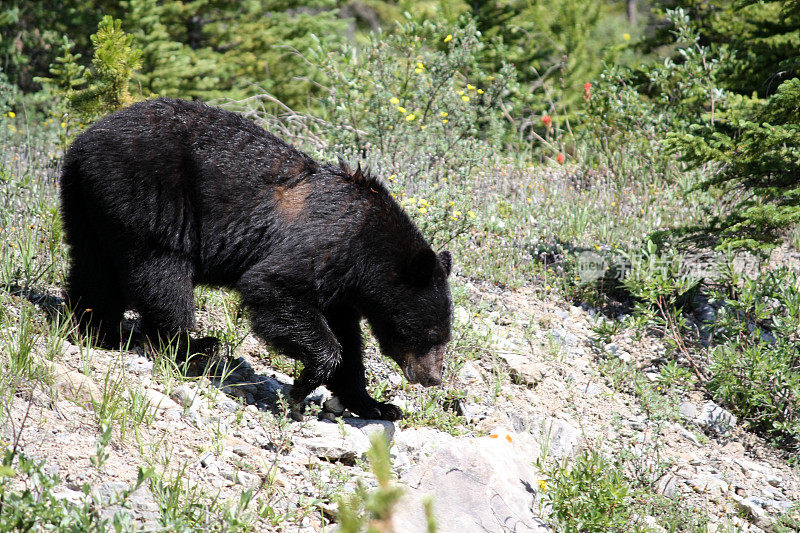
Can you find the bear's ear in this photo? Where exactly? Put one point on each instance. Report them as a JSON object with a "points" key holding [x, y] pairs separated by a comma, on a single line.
{"points": [[447, 262], [419, 269]]}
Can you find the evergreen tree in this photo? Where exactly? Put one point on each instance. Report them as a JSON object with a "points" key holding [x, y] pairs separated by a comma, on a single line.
{"points": [[763, 36], [757, 154]]}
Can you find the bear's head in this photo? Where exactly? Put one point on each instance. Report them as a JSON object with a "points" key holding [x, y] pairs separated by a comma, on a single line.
{"points": [[417, 323]]}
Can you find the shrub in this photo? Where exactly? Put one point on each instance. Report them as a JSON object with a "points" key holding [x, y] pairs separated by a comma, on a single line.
{"points": [[590, 496], [635, 108], [756, 365]]}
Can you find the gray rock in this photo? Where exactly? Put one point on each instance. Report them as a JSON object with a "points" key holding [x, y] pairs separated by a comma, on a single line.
{"points": [[468, 374], [688, 411], [74, 386], [138, 364], [159, 400], [755, 513], [667, 485], [346, 442], [185, 396], [484, 484], [709, 485], [561, 437], [714, 419], [590, 389]]}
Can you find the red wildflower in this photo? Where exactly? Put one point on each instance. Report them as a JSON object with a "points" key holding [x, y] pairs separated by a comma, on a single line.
{"points": [[547, 121], [560, 159], [587, 90]]}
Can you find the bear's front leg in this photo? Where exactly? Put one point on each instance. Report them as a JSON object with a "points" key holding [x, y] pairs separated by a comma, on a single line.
{"points": [[349, 382], [296, 328]]}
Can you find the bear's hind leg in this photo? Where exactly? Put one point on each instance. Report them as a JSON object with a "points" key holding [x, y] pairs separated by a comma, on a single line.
{"points": [[162, 291], [94, 295]]}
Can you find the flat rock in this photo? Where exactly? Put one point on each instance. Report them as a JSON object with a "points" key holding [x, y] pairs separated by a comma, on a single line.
{"points": [[159, 400], [74, 386], [346, 442], [484, 484]]}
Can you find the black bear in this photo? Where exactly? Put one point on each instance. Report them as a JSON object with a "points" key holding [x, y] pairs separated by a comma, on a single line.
{"points": [[168, 194]]}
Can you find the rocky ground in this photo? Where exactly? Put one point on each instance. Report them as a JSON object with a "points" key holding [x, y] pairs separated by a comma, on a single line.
{"points": [[535, 392]]}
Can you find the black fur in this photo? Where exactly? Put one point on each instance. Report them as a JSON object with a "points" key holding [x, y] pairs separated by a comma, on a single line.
{"points": [[168, 194]]}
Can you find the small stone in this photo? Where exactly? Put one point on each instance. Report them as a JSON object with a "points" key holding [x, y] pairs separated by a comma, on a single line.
{"points": [[715, 419], [468, 374], [590, 389], [158, 400], [625, 357], [138, 364], [185, 396], [688, 435], [688, 411], [775, 481], [667, 485], [461, 316], [248, 480]]}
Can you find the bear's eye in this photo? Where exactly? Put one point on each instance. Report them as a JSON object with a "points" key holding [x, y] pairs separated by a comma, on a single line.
{"points": [[433, 336]]}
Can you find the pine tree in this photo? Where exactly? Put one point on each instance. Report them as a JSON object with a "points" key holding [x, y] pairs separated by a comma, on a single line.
{"points": [[757, 154], [762, 35]]}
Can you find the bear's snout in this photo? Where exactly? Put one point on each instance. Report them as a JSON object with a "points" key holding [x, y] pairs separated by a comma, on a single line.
{"points": [[426, 369]]}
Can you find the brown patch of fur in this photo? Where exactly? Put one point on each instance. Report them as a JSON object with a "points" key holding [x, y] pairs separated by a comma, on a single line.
{"points": [[291, 200]]}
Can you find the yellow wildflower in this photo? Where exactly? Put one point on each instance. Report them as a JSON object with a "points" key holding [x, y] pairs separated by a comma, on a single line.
{"points": [[401, 109], [394, 100], [626, 36], [423, 201], [491, 78], [445, 121], [465, 98], [448, 38], [459, 93], [423, 210], [470, 87], [11, 114], [471, 214], [418, 70], [456, 213], [410, 117], [392, 177], [420, 65], [443, 113], [480, 91], [542, 484], [63, 124]]}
